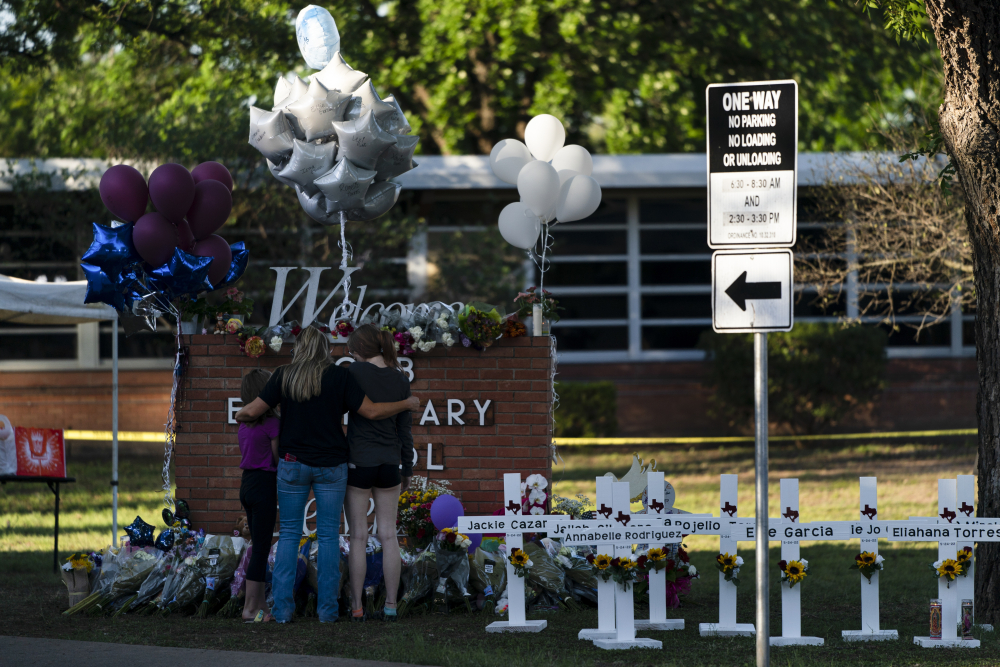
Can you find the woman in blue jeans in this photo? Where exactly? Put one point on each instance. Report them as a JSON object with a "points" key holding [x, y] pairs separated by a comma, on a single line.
{"points": [[314, 394]]}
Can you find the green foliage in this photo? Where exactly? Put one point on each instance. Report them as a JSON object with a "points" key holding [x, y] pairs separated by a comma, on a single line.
{"points": [[817, 373], [906, 18], [586, 410], [171, 79]]}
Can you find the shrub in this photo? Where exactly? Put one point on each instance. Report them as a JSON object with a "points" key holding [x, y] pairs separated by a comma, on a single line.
{"points": [[586, 410], [817, 373]]}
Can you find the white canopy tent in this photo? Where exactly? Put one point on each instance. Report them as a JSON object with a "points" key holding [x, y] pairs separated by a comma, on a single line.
{"points": [[29, 302]]}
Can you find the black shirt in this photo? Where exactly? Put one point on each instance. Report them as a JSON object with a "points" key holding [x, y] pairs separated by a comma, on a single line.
{"points": [[312, 430], [382, 441]]}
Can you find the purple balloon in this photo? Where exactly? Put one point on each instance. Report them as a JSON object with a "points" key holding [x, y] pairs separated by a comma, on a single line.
{"points": [[477, 539], [445, 511], [124, 192], [217, 248], [210, 209], [185, 237], [212, 171], [155, 238], [172, 190]]}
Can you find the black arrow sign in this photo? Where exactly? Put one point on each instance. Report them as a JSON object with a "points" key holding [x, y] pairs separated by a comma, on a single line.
{"points": [[741, 291]]}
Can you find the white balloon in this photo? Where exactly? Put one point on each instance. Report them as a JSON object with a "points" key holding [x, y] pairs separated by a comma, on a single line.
{"points": [[507, 158], [544, 136], [572, 160], [519, 226], [538, 185], [317, 35], [579, 197]]}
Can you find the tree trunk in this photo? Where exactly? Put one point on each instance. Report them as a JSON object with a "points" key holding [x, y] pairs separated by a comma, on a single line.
{"points": [[968, 35]]}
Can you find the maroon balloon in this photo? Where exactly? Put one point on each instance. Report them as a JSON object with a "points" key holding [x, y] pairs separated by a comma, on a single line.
{"points": [[212, 171], [172, 190], [185, 238], [215, 246], [124, 192], [210, 209], [155, 238]]}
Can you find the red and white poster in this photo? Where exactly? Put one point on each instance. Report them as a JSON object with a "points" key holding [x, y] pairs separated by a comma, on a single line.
{"points": [[40, 452]]}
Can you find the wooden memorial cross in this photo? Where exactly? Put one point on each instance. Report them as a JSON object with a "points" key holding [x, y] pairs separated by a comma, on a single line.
{"points": [[513, 525], [791, 598], [658, 506], [727, 625], [605, 589], [870, 629]]}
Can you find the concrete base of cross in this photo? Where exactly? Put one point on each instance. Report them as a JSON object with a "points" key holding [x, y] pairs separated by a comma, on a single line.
{"points": [[716, 630], [927, 642], [591, 634], [668, 624], [796, 641], [505, 626], [638, 642], [862, 636]]}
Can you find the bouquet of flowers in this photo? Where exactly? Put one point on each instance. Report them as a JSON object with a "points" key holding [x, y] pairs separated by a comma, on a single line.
{"points": [[488, 576], [533, 494], [414, 515], [793, 571], [868, 564], [574, 508], [449, 539], [132, 574], [514, 328], [481, 324], [950, 569], [76, 575], [217, 562], [622, 570], [420, 580], [520, 562], [110, 565], [729, 565], [528, 298], [452, 550], [185, 552]]}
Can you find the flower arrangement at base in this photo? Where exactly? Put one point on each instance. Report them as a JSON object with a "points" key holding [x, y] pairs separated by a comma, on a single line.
{"points": [[729, 565], [533, 494], [624, 571], [950, 569], [574, 508], [528, 298], [414, 515], [254, 347], [793, 571], [80, 561], [481, 324], [450, 539], [513, 328], [868, 563], [343, 329], [520, 562]]}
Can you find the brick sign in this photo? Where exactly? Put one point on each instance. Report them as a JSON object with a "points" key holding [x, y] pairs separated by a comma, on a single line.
{"points": [[485, 414]]}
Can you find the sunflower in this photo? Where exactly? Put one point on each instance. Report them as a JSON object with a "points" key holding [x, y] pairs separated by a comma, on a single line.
{"points": [[866, 558], [602, 562], [726, 561], [950, 569], [626, 564], [963, 557], [795, 571], [655, 555], [518, 558]]}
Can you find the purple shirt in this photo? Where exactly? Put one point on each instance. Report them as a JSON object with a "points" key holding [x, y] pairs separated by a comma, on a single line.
{"points": [[255, 444]]}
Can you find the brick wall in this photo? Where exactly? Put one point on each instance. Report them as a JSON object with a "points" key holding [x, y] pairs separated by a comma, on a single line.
{"points": [[513, 374]]}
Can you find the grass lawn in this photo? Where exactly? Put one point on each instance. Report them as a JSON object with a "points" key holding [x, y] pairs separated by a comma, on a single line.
{"points": [[32, 597]]}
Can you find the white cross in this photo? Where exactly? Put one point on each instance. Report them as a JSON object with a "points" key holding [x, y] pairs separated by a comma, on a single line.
{"points": [[727, 625], [870, 629], [657, 506], [605, 589]]}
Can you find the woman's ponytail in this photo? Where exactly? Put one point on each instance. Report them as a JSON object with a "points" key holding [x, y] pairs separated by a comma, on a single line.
{"points": [[388, 343], [369, 341]]}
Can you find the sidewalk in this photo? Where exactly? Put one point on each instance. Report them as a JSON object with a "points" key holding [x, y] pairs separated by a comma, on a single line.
{"points": [[60, 652]]}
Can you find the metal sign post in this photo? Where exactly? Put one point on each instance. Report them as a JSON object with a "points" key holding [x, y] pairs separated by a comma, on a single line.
{"points": [[752, 163]]}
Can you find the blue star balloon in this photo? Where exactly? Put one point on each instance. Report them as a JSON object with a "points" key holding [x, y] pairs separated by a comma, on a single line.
{"points": [[140, 533], [165, 540], [183, 274], [112, 249], [100, 289], [240, 258]]}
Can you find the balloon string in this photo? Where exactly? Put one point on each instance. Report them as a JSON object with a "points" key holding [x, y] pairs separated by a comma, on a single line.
{"points": [[542, 261], [345, 254]]}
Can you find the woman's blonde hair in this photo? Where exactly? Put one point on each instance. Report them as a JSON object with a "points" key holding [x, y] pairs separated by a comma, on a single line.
{"points": [[302, 379]]}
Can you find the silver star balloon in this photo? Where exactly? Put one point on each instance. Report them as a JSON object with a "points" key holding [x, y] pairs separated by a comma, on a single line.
{"points": [[270, 134], [344, 186], [353, 111], [362, 141], [379, 199], [309, 161], [281, 90], [341, 76], [395, 124], [397, 159], [388, 114], [275, 170], [297, 87], [315, 207], [314, 113]]}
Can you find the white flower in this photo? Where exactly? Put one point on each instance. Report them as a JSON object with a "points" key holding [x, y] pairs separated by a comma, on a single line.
{"points": [[275, 343], [564, 561], [189, 560], [938, 564], [536, 497], [537, 510], [536, 481], [442, 321], [425, 346], [524, 485], [878, 560], [529, 563], [692, 570], [416, 332], [736, 571], [804, 562], [447, 339], [739, 561]]}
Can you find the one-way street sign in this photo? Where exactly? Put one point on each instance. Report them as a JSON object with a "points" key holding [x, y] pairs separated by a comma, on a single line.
{"points": [[752, 291]]}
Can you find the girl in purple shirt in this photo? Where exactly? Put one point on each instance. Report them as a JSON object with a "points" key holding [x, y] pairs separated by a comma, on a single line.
{"points": [[258, 491]]}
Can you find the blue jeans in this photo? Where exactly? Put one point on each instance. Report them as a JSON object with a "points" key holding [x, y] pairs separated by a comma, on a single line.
{"points": [[329, 485]]}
